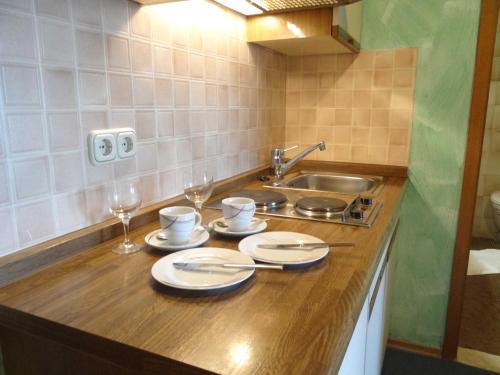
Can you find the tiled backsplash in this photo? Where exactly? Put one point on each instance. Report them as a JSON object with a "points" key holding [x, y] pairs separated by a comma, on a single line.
{"points": [[181, 74], [361, 105], [197, 94], [489, 177]]}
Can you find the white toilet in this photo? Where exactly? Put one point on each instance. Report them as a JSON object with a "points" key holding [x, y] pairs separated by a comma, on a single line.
{"points": [[495, 202]]}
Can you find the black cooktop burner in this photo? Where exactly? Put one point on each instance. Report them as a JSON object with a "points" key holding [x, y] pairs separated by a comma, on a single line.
{"points": [[320, 206], [263, 199]]}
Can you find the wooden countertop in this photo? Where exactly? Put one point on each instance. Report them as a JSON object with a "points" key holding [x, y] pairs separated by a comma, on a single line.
{"points": [[298, 321]]}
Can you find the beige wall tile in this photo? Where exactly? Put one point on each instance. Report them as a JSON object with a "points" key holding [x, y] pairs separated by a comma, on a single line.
{"points": [[310, 63], [400, 118], [381, 98], [326, 98], [325, 116], [379, 136], [343, 117], [402, 98], [398, 155], [345, 63], [308, 98], [327, 63], [359, 153], [342, 153], [399, 137], [384, 59], [403, 78], [360, 136], [382, 79], [310, 81], [325, 133], [361, 99], [364, 61], [363, 79], [378, 154], [344, 80], [361, 117], [343, 98], [405, 58], [342, 135], [380, 118], [308, 117]]}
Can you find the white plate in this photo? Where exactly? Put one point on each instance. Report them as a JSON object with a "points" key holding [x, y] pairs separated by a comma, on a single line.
{"points": [[199, 237], [256, 226], [208, 278], [249, 246]]}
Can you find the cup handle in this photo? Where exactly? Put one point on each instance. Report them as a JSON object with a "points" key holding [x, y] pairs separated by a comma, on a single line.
{"points": [[197, 220]]}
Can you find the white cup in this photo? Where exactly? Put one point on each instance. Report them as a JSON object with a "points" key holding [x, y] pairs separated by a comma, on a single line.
{"points": [[238, 213], [178, 223]]}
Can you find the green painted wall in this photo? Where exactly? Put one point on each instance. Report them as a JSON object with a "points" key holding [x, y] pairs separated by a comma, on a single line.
{"points": [[445, 32]]}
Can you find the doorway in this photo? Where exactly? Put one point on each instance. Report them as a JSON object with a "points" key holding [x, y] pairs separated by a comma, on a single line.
{"points": [[473, 323]]}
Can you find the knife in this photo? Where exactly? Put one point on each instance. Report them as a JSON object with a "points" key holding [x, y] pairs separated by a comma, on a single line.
{"points": [[197, 265], [304, 246]]}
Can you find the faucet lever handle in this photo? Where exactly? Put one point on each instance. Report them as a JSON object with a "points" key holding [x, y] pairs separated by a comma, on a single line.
{"points": [[290, 148]]}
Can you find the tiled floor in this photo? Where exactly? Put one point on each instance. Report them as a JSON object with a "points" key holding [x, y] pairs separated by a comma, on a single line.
{"points": [[480, 328]]}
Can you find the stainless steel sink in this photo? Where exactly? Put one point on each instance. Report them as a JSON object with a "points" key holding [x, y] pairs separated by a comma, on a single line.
{"points": [[331, 182]]}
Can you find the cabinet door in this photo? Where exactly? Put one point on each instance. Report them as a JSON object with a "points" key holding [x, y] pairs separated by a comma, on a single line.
{"points": [[354, 359], [378, 312], [375, 333]]}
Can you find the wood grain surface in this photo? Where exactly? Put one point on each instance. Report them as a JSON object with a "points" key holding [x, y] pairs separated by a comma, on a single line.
{"points": [[107, 307]]}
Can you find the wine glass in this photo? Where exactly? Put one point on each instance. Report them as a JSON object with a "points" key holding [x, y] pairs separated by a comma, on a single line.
{"points": [[198, 190], [124, 199]]}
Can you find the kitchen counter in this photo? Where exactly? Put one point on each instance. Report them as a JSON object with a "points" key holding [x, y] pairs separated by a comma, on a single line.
{"points": [[100, 309]]}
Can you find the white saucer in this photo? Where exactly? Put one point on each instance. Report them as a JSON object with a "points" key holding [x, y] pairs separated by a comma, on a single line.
{"points": [[256, 226], [199, 237], [289, 256], [164, 271]]}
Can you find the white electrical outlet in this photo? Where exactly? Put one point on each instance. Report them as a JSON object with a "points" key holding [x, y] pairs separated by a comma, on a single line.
{"points": [[106, 145], [102, 146], [126, 143]]}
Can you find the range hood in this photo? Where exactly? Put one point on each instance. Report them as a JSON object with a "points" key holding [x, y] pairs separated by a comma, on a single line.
{"points": [[276, 6]]}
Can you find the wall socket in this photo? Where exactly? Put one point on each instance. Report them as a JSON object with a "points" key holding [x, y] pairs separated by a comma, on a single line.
{"points": [[106, 145]]}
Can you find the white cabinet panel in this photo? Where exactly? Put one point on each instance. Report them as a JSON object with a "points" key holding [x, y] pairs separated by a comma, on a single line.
{"points": [[353, 363], [366, 350], [375, 338]]}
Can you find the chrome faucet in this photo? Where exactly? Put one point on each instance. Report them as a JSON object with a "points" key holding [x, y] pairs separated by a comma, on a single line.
{"points": [[280, 167]]}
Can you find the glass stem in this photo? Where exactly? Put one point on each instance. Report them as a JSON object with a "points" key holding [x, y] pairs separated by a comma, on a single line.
{"points": [[198, 206], [126, 231]]}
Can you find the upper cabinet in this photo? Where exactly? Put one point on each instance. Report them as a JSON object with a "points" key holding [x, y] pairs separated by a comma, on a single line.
{"points": [[308, 32]]}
